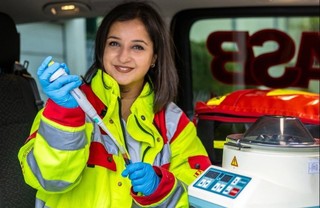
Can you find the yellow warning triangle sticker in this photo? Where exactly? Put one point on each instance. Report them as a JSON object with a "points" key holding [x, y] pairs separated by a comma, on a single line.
{"points": [[234, 161]]}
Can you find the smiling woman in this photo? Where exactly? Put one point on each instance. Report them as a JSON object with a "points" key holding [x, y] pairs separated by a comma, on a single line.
{"points": [[219, 47], [129, 50], [132, 82], [127, 58]]}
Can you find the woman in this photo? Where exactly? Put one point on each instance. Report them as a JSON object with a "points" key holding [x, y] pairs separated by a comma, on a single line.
{"points": [[131, 84]]}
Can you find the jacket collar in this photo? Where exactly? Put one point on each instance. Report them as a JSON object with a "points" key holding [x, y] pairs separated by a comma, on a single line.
{"points": [[142, 108], [110, 94]]}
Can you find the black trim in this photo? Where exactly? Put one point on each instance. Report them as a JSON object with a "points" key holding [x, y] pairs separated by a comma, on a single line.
{"points": [[139, 125], [123, 129]]}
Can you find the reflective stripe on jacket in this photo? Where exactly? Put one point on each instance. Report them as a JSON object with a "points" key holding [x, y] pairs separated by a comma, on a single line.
{"points": [[73, 163]]}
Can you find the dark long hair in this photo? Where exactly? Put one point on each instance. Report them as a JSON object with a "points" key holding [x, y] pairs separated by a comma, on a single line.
{"points": [[163, 76]]}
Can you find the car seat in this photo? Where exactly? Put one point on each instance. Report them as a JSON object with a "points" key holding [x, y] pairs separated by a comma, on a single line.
{"points": [[17, 111]]}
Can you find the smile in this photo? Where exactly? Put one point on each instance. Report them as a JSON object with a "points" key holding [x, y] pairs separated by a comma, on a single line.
{"points": [[123, 69]]}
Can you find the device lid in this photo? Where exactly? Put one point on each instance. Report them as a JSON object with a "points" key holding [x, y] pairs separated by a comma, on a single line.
{"points": [[281, 131], [278, 130]]}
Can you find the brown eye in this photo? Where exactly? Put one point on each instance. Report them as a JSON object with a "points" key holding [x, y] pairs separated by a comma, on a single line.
{"points": [[138, 47], [113, 43]]}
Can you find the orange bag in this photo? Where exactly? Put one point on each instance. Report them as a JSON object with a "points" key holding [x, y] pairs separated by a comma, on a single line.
{"points": [[235, 112]]}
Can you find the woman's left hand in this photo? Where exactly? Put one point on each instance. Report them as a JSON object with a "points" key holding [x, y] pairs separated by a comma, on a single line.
{"points": [[143, 177]]}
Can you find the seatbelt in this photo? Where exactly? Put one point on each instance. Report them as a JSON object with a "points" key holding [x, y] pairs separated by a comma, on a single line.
{"points": [[22, 71]]}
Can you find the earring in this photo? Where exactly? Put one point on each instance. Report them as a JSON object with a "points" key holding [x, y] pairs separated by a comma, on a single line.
{"points": [[152, 65]]}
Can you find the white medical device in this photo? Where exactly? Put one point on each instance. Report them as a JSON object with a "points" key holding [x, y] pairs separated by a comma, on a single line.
{"points": [[274, 164]]}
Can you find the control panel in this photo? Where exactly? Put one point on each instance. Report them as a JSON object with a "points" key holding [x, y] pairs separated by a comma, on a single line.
{"points": [[222, 182]]}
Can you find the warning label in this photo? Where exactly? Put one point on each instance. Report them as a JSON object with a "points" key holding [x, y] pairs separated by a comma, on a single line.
{"points": [[234, 162], [313, 167]]}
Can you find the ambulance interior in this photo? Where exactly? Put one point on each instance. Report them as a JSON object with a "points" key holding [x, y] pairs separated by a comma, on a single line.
{"points": [[249, 79]]}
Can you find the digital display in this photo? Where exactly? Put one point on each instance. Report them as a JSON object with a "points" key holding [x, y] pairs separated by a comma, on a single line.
{"points": [[226, 178], [212, 174]]}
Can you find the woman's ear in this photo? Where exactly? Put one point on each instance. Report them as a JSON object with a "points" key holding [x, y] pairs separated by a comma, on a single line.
{"points": [[154, 59]]}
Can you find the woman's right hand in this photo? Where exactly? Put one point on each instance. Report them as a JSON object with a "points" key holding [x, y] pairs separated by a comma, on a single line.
{"points": [[58, 90]]}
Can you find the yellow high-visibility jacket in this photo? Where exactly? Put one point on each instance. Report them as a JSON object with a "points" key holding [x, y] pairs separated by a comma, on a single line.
{"points": [[74, 164]]}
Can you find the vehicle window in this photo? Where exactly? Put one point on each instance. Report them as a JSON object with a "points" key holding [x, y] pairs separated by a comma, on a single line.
{"points": [[70, 41], [272, 46], [221, 50]]}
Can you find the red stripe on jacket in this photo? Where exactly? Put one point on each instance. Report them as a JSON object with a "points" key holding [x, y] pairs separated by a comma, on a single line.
{"points": [[199, 162], [183, 122], [31, 136], [165, 186], [73, 117], [99, 156]]}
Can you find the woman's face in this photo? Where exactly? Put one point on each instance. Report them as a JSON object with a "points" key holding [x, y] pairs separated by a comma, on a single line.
{"points": [[128, 53]]}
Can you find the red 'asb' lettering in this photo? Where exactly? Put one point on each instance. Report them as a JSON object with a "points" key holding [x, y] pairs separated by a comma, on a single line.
{"points": [[256, 69], [308, 57]]}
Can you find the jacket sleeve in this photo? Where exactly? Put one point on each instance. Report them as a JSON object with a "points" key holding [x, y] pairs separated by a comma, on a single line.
{"points": [[188, 160], [57, 149], [189, 157]]}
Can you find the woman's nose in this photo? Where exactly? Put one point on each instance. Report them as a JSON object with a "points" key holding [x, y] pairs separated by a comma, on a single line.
{"points": [[124, 55]]}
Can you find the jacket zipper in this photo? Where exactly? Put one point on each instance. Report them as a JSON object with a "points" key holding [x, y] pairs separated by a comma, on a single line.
{"points": [[145, 151], [124, 134], [122, 126]]}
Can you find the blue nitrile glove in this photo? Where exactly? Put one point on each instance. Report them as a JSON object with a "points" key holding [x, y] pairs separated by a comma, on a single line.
{"points": [[59, 89], [143, 177]]}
